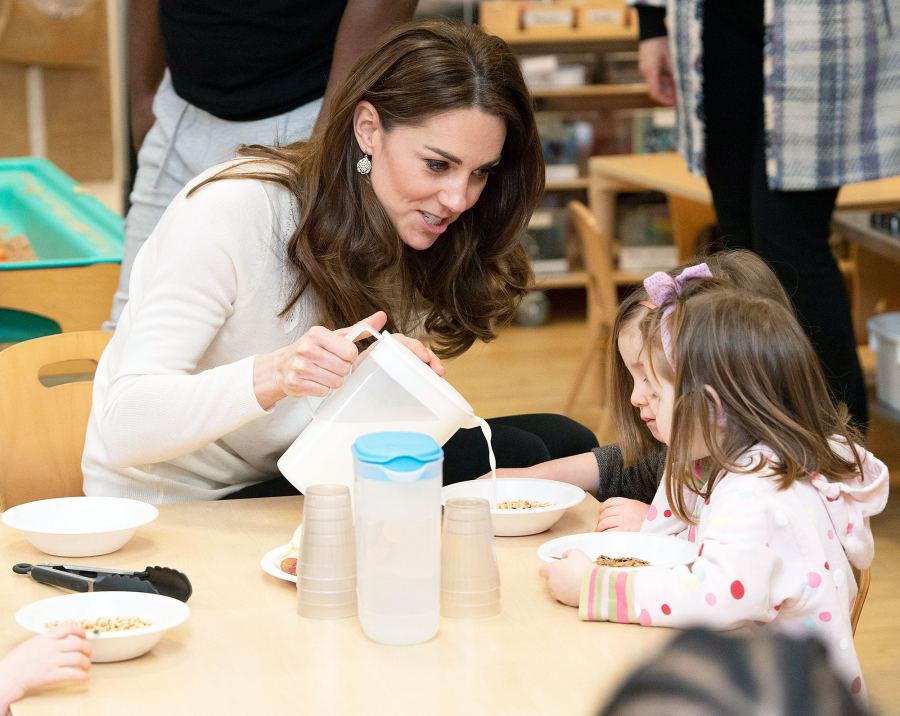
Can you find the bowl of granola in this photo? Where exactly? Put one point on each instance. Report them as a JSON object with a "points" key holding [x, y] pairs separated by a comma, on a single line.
{"points": [[120, 625], [623, 550], [520, 505]]}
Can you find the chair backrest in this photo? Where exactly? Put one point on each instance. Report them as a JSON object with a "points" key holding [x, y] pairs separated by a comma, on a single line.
{"points": [[44, 414], [598, 264], [863, 577]]}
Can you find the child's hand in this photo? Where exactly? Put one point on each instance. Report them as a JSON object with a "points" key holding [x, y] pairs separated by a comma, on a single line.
{"points": [[565, 576], [61, 654], [621, 514]]}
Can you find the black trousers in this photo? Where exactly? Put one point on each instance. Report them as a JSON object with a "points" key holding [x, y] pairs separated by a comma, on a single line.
{"points": [[518, 441], [789, 229]]}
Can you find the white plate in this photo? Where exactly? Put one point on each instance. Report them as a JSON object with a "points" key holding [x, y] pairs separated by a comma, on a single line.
{"points": [[659, 550], [272, 559], [162, 612], [80, 526]]}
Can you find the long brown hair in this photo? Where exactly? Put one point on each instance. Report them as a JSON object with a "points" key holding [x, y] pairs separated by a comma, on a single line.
{"points": [[743, 270], [769, 389], [345, 247]]}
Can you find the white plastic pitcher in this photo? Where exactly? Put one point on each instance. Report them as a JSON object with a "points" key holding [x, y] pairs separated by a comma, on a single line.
{"points": [[389, 390]]}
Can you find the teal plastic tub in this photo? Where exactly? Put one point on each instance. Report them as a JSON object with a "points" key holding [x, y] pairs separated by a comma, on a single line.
{"points": [[64, 226]]}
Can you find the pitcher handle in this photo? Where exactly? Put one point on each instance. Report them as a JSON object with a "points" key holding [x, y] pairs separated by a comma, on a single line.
{"points": [[313, 401]]}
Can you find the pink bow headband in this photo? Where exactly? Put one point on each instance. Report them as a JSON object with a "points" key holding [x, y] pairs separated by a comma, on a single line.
{"points": [[663, 290]]}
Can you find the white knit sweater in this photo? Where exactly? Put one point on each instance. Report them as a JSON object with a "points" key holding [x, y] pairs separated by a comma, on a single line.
{"points": [[174, 414]]}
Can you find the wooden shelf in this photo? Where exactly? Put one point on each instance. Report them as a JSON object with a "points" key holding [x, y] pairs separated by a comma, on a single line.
{"points": [[579, 279], [604, 96], [571, 185], [606, 38], [604, 91], [570, 279]]}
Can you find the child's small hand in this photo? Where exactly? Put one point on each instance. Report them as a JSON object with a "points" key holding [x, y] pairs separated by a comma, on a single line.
{"points": [[621, 514], [61, 654], [565, 576]]}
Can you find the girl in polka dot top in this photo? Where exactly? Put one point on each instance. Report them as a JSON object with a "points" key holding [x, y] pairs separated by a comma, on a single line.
{"points": [[763, 473]]}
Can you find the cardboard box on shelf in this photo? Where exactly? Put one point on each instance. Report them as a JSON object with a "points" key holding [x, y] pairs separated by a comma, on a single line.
{"points": [[500, 17], [599, 14], [548, 15]]}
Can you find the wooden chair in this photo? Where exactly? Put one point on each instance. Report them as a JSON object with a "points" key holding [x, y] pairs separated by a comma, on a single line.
{"points": [[602, 299], [863, 577], [42, 426]]}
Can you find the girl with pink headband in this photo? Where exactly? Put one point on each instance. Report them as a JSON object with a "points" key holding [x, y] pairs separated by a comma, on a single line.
{"points": [[763, 474]]}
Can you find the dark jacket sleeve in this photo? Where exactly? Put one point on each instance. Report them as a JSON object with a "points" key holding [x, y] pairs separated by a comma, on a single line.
{"points": [[651, 22], [637, 482]]}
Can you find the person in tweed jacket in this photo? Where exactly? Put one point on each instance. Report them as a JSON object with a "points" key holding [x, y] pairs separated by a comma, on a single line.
{"points": [[779, 103]]}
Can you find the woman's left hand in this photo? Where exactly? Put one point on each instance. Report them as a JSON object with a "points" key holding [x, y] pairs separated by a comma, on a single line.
{"points": [[564, 577], [422, 352]]}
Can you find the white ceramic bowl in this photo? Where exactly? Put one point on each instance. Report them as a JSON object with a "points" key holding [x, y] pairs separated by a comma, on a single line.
{"points": [[658, 550], [79, 526], [515, 523], [163, 613]]}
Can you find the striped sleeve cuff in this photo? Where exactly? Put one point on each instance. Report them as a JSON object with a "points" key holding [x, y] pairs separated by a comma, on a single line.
{"points": [[607, 594]]}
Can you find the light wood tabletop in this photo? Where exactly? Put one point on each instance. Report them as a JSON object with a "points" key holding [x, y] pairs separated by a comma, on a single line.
{"points": [[668, 173], [244, 649]]}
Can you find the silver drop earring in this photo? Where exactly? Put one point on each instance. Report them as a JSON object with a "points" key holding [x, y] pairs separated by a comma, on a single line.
{"points": [[364, 165]]}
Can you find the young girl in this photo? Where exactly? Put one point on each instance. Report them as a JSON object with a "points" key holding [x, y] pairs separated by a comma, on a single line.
{"points": [[780, 509], [624, 477]]}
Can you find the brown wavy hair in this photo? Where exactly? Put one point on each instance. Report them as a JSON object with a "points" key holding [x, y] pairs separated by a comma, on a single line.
{"points": [[753, 353], [741, 269], [345, 247]]}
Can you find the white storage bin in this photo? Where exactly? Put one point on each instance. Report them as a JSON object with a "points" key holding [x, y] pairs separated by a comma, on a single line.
{"points": [[884, 338]]}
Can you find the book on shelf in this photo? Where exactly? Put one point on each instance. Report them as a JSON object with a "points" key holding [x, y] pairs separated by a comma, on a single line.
{"points": [[644, 231], [545, 241], [567, 145], [558, 71]]}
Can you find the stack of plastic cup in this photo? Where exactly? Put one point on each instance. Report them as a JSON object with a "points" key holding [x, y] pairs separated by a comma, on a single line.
{"points": [[326, 569], [470, 580]]}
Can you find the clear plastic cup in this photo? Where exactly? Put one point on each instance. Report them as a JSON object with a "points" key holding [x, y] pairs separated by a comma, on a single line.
{"points": [[326, 585], [470, 580]]}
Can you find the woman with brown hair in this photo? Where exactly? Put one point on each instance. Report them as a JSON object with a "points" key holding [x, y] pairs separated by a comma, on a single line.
{"points": [[406, 211]]}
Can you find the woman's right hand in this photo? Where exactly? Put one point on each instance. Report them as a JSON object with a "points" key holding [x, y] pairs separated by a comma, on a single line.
{"points": [[316, 363]]}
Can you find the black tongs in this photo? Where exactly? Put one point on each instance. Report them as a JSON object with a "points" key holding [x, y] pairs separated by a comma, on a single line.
{"points": [[153, 580]]}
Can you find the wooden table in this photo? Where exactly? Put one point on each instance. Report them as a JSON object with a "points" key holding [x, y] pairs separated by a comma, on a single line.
{"points": [[690, 201], [245, 650]]}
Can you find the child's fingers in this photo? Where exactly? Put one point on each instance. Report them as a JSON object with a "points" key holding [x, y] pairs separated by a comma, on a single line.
{"points": [[65, 629], [73, 673], [73, 643], [74, 659], [610, 522]]}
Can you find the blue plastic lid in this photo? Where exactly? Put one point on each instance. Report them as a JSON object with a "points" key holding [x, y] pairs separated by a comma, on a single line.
{"points": [[397, 451]]}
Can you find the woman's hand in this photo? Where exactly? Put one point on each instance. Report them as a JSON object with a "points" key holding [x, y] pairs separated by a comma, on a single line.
{"points": [[621, 514], [422, 352], [655, 64], [565, 576], [316, 363]]}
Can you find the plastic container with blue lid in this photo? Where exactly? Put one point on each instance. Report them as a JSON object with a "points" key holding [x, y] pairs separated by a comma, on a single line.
{"points": [[398, 535], [393, 455]]}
